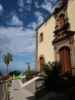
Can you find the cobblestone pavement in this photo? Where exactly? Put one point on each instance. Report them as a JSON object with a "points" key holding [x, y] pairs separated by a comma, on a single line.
{"points": [[18, 93]]}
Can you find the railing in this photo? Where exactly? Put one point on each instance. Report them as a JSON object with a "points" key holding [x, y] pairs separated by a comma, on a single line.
{"points": [[3, 91], [29, 85], [32, 85]]}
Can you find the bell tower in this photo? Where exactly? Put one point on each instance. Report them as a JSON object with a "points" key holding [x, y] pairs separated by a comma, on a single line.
{"points": [[63, 37]]}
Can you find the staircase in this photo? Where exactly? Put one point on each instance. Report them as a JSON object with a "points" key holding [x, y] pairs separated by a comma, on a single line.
{"points": [[23, 91]]}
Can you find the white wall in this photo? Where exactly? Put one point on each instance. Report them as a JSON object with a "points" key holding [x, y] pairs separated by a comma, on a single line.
{"points": [[46, 48]]}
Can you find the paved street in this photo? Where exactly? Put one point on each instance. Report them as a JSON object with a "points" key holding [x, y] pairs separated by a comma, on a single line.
{"points": [[18, 93]]}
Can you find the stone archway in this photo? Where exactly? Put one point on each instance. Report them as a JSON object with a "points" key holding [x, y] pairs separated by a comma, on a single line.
{"points": [[65, 59], [41, 62]]}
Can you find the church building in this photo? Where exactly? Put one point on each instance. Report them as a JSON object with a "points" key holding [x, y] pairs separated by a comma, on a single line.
{"points": [[55, 38]]}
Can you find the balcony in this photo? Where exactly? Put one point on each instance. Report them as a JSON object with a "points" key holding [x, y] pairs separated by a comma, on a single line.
{"points": [[64, 28]]}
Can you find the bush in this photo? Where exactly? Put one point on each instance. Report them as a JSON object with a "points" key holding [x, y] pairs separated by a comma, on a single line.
{"points": [[52, 70], [28, 73], [52, 74]]}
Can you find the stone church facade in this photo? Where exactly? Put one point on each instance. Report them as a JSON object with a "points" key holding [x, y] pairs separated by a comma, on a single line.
{"points": [[55, 39]]}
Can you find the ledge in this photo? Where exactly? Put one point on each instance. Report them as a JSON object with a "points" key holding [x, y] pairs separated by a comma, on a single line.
{"points": [[67, 36]]}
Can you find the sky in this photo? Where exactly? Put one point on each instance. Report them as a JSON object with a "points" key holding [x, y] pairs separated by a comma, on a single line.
{"points": [[18, 22]]}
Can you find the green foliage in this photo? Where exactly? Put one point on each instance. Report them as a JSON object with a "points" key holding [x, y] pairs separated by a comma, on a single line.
{"points": [[52, 73], [28, 73], [0, 74], [56, 69], [16, 73], [52, 69], [7, 58]]}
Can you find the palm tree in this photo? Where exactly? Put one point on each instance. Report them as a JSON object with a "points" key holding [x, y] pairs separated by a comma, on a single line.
{"points": [[7, 58], [28, 72]]}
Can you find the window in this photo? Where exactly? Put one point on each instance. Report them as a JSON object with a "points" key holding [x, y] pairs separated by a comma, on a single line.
{"points": [[62, 15], [41, 37], [42, 60], [60, 21]]}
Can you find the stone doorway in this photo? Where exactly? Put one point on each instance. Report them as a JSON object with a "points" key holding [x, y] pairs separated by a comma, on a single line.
{"points": [[65, 59], [42, 62]]}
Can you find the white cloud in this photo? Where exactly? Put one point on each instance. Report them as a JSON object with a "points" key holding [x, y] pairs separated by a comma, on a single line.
{"points": [[29, 1], [4, 43], [30, 48], [20, 3], [15, 21], [12, 32], [36, 4], [1, 9], [21, 41], [22, 44], [48, 5], [40, 17], [32, 26]]}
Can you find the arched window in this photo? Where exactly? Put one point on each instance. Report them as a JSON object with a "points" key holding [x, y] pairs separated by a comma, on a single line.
{"points": [[41, 37], [42, 60], [60, 21]]}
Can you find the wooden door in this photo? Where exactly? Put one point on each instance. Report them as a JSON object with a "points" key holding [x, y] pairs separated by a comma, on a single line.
{"points": [[42, 62], [65, 59]]}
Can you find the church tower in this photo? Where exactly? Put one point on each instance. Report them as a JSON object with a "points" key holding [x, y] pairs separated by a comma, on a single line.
{"points": [[63, 37]]}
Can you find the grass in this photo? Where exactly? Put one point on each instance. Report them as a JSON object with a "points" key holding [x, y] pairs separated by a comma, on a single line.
{"points": [[14, 77]]}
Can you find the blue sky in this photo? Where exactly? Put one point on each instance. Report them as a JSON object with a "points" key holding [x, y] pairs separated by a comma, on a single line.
{"points": [[18, 21]]}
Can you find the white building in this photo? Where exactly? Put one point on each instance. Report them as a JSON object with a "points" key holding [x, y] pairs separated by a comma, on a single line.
{"points": [[55, 38], [45, 37]]}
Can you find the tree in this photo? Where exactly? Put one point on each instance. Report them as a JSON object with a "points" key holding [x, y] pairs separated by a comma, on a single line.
{"points": [[16, 73], [51, 74], [52, 70], [7, 58], [0, 74], [28, 72], [56, 70]]}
